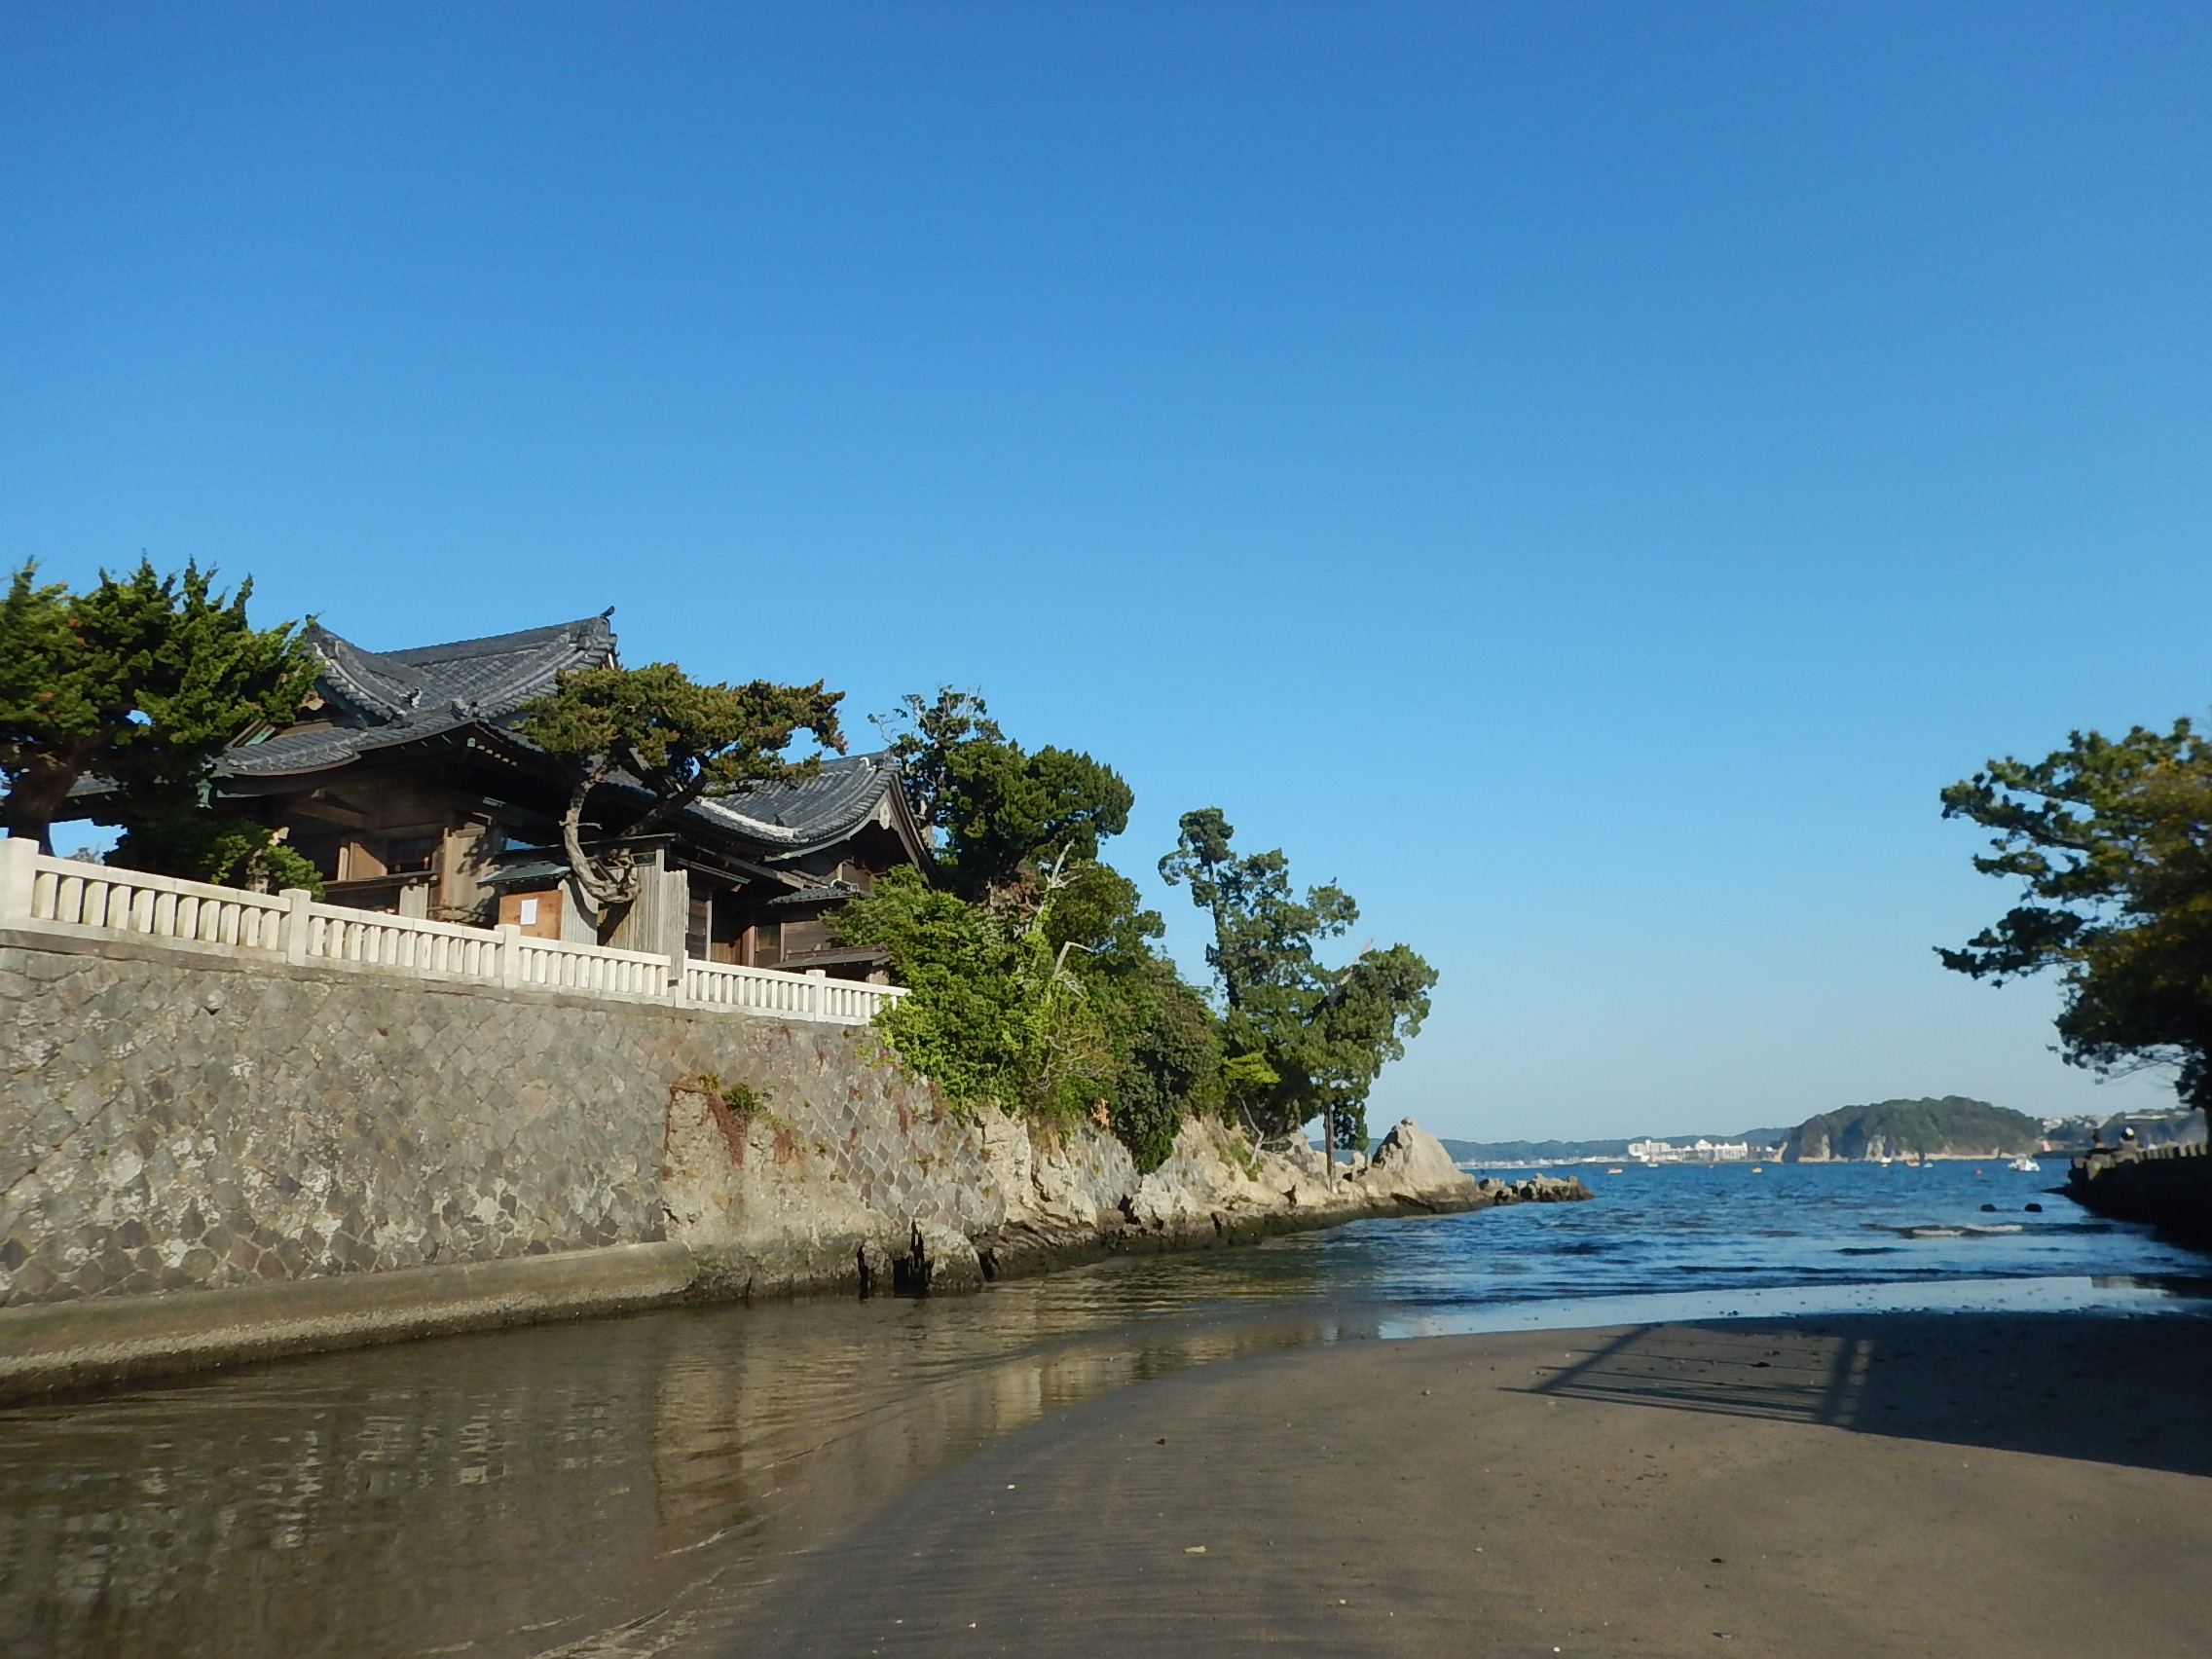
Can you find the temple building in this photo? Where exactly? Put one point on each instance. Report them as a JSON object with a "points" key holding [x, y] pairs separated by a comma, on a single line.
{"points": [[408, 786]]}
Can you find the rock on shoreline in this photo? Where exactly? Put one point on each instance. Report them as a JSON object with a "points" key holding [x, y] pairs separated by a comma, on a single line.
{"points": [[1047, 1197], [1535, 1190], [1079, 1197]]}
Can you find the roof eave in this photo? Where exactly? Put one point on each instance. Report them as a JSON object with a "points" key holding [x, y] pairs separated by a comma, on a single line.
{"points": [[466, 734]]}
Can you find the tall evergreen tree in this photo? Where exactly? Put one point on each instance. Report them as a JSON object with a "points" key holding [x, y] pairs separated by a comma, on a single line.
{"points": [[1300, 1039], [2112, 841], [142, 681], [997, 810]]}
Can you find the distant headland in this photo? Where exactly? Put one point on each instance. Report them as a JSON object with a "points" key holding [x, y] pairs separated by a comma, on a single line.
{"points": [[1952, 1126]]}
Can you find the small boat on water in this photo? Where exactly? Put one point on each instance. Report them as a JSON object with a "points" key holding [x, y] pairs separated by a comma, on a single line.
{"points": [[2025, 1166], [1612, 1173]]}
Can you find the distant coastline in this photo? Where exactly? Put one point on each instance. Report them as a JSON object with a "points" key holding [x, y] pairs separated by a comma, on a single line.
{"points": [[1533, 1155], [1935, 1129]]}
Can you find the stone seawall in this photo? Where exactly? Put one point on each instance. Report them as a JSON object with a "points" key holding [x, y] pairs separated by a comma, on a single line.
{"points": [[192, 1145], [2169, 1187], [174, 1123]]}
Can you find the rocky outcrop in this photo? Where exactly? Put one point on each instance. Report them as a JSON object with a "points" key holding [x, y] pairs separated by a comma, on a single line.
{"points": [[1077, 1195], [1536, 1190], [773, 1206], [1412, 1166]]}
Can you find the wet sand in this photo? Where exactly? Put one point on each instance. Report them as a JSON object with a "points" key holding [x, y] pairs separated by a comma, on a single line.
{"points": [[1953, 1484]]}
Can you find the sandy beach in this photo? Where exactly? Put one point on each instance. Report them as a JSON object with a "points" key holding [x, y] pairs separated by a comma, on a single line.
{"points": [[1951, 1485]]}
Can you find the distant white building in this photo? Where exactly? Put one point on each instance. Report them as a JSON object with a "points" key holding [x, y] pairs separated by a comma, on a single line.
{"points": [[1690, 1152]]}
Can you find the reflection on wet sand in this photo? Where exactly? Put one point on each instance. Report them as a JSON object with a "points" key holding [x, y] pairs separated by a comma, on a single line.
{"points": [[629, 1485], [618, 1486]]}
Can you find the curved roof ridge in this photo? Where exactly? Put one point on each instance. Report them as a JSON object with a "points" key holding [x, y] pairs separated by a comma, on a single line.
{"points": [[844, 793], [379, 687], [584, 635], [398, 696]]}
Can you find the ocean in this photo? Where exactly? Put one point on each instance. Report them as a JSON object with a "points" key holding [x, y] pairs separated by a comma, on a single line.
{"points": [[1707, 1240]]}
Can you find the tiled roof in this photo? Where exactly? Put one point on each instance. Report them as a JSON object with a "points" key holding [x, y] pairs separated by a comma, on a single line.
{"points": [[380, 699], [376, 699], [836, 800]]}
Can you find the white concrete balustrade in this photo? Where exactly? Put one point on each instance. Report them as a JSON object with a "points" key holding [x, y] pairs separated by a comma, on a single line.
{"points": [[44, 894], [764, 990]]}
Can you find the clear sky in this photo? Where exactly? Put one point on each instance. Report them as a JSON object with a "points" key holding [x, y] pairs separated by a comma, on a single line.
{"points": [[1581, 475]]}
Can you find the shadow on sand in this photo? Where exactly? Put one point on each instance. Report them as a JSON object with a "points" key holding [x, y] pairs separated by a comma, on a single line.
{"points": [[2081, 1385]]}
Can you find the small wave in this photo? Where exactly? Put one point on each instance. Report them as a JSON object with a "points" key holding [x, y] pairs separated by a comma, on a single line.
{"points": [[1934, 1231]]}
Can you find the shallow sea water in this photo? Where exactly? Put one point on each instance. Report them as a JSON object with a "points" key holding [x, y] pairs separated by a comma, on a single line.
{"points": [[1796, 1231], [629, 1485]]}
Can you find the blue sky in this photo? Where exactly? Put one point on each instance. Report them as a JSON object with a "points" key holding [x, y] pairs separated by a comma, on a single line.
{"points": [[1581, 475]]}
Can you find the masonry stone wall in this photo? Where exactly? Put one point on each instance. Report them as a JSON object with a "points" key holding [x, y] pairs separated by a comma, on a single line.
{"points": [[170, 1121], [175, 1119]]}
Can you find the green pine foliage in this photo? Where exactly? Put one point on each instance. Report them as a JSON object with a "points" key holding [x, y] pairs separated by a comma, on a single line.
{"points": [[683, 740], [995, 806], [2112, 842], [1300, 1039], [141, 682], [1036, 982]]}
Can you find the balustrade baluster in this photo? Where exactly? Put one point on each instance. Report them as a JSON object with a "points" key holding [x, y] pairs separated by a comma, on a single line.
{"points": [[39, 888]]}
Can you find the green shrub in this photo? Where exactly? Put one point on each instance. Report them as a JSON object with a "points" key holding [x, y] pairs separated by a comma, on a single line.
{"points": [[201, 846]]}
